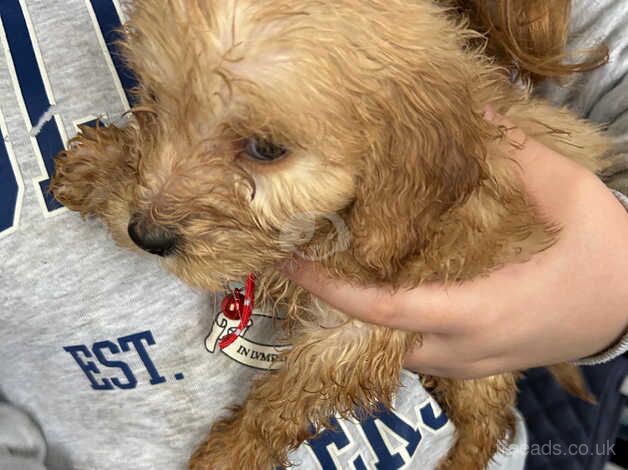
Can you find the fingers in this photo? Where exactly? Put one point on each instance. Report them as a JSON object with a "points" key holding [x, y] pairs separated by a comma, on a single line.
{"points": [[425, 308], [455, 357], [454, 368], [437, 356], [431, 308], [519, 315]]}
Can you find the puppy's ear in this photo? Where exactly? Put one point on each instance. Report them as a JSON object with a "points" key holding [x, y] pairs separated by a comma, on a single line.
{"points": [[428, 158]]}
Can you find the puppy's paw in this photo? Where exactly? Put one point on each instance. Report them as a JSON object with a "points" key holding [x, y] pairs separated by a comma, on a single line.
{"points": [[90, 169]]}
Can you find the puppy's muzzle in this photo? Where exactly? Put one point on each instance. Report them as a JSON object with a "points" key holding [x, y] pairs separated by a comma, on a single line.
{"points": [[152, 238]]}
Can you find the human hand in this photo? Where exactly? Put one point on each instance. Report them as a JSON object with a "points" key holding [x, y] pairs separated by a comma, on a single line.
{"points": [[566, 303]]}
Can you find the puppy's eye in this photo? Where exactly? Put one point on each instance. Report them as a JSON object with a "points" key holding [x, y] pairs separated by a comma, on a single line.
{"points": [[264, 150]]}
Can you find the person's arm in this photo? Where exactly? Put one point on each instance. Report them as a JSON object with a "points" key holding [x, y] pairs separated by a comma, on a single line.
{"points": [[566, 303], [621, 347], [22, 445], [600, 95]]}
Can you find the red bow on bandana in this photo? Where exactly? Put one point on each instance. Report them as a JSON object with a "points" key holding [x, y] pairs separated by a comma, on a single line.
{"points": [[235, 306]]}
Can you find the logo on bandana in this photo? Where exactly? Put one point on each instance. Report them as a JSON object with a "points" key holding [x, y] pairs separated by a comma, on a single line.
{"points": [[244, 350]]}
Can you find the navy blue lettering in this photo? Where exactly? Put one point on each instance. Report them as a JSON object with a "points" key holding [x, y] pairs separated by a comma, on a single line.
{"points": [[88, 367], [9, 189], [430, 420], [137, 341], [330, 436], [336, 436], [109, 23], [38, 100], [386, 460], [131, 381], [359, 464], [102, 351], [33, 89]]}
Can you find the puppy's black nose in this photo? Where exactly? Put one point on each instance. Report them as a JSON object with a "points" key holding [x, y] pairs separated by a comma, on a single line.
{"points": [[152, 238]]}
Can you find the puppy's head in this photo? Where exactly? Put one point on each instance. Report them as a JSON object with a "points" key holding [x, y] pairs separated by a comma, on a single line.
{"points": [[258, 115]]}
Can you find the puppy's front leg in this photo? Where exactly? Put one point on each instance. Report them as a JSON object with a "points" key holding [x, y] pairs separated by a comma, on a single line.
{"points": [[95, 176], [328, 372]]}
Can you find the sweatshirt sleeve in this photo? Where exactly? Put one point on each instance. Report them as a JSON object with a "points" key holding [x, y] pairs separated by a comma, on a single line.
{"points": [[622, 346], [22, 445], [602, 94]]}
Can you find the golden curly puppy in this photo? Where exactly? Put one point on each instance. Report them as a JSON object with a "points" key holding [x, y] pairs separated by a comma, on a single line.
{"points": [[254, 113]]}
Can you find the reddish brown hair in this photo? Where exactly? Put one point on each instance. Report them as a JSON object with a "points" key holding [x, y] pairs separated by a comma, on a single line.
{"points": [[531, 35]]}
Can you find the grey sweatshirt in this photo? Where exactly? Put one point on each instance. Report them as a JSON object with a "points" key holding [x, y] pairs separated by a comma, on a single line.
{"points": [[115, 359]]}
